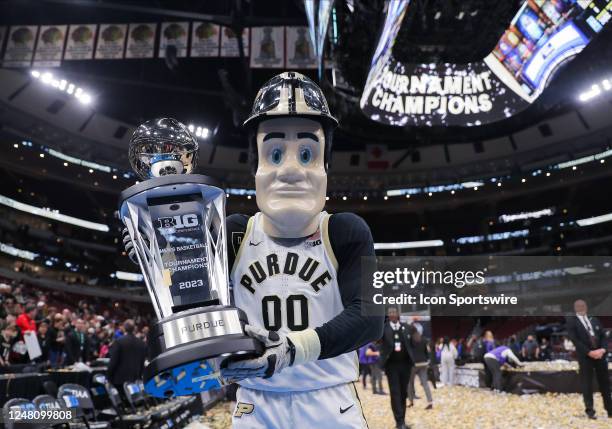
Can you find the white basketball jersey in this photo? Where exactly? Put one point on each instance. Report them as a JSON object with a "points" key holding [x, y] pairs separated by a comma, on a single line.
{"points": [[291, 288]]}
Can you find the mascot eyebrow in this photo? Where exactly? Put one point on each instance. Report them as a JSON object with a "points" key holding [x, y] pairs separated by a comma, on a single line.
{"points": [[310, 136], [271, 136]]}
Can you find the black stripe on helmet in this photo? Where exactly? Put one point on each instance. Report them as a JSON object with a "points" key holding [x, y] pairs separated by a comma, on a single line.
{"points": [[292, 103]]}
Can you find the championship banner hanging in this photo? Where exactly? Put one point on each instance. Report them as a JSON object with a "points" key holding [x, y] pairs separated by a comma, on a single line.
{"points": [[268, 47], [205, 39], [229, 44], [174, 34], [80, 43], [141, 40], [20, 46], [50, 45], [111, 41], [300, 52]]}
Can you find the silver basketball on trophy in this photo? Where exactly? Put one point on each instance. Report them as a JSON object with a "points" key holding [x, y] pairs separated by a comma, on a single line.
{"points": [[161, 147]]}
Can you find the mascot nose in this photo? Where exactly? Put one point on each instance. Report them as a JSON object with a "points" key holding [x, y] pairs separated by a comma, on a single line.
{"points": [[291, 171]]}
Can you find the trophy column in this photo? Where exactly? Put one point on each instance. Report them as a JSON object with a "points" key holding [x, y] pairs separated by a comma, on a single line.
{"points": [[177, 227]]}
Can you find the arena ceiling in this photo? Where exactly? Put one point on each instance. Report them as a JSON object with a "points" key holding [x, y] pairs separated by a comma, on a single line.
{"points": [[217, 92]]}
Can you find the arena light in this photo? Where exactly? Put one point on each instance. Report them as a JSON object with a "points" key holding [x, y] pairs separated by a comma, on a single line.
{"points": [[239, 191], [54, 215], [63, 85], [506, 218], [492, 237], [20, 253], [130, 277], [199, 131], [78, 161], [584, 160], [434, 189], [594, 220], [408, 245], [596, 90]]}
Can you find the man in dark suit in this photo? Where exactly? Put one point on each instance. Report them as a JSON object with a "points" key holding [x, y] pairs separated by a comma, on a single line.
{"points": [[77, 345], [396, 359], [591, 348], [127, 357]]}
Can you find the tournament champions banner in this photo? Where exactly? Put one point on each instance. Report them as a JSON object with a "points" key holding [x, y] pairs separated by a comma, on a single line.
{"points": [[542, 36]]}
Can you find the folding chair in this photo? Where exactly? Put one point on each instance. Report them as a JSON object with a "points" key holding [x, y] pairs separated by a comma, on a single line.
{"points": [[126, 419], [49, 403], [19, 404], [78, 397], [137, 400]]}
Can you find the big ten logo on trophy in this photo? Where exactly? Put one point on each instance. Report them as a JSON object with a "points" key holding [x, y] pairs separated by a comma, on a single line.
{"points": [[179, 222]]}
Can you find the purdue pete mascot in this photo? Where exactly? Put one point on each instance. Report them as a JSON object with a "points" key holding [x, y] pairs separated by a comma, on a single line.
{"points": [[296, 272]]}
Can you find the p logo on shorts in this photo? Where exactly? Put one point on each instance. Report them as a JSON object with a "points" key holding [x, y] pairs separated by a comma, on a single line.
{"points": [[243, 408]]}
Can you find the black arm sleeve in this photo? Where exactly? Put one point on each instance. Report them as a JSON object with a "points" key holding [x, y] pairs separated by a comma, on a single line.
{"points": [[350, 239]]}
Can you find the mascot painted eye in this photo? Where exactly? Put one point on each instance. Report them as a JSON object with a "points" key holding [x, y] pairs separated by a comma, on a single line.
{"points": [[305, 155], [276, 156]]}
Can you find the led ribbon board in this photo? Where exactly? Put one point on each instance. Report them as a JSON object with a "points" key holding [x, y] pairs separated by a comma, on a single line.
{"points": [[542, 35]]}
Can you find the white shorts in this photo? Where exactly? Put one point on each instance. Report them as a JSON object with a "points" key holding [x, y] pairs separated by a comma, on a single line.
{"points": [[333, 407]]}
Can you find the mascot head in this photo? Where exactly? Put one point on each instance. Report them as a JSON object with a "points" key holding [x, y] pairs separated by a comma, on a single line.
{"points": [[290, 132]]}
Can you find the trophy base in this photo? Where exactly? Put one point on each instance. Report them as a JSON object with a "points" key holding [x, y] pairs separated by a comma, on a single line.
{"points": [[187, 349]]}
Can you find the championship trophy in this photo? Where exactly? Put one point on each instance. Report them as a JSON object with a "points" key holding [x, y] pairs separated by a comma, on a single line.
{"points": [[175, 224]]}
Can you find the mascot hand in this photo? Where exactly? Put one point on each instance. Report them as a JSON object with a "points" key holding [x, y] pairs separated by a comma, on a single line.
{"points": [[280, 352]]}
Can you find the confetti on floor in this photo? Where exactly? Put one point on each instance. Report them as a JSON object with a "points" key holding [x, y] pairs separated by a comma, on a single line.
{"points": [[465, 408]]}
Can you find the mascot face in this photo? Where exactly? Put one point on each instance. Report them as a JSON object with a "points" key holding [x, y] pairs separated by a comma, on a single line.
{"points": [[291, 181]]}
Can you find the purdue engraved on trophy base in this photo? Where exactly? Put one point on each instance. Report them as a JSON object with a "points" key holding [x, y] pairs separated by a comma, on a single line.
{"points": [[176, 228]]}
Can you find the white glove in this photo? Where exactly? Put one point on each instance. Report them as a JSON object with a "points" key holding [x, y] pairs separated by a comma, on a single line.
{"points": [[280, 352]]}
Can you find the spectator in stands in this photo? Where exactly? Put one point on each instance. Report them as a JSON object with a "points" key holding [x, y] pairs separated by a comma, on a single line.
{"points": [[77, 344], [44, 341], [57, 347], [545, 349], [448, 354], [568, 346], [495, 360], [489, 341], [376, 370], [420, 354], [365, 363], [10, 306], [515, 345], [145, 333], [369, 355], [438, 349], [588, 336], [461, 350], [17, 293], [531, 349], [104, 348], [8, 338], [94, 344], [42, 308], [26, 321], [127, 357]]}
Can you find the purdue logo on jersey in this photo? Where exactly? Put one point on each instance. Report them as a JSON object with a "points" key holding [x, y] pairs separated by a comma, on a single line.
{"points": [[243, 408], [291, 265]]}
